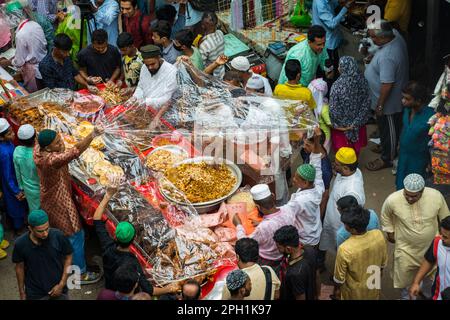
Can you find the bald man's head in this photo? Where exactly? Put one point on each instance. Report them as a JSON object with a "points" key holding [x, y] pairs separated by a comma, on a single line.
{"points": [[191, 290]]}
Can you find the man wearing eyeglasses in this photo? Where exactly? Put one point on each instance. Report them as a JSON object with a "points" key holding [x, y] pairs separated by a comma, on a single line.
{"points": [[410, 218]]}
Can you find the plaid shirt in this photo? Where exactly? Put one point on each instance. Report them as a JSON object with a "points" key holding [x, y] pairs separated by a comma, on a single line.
{"points": [[47, 8], [55, 75]]}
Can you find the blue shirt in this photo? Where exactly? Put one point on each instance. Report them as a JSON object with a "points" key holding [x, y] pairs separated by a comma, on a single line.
{"points": [[55, 75], [323, 15], [343, 234], [107, 18]]}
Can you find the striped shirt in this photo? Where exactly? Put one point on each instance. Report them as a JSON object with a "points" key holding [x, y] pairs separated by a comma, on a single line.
{"points": [[211, 48]]}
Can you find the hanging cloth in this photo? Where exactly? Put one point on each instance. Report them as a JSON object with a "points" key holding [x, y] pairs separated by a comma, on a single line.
{"points": [[258, 13], [251, 10]]}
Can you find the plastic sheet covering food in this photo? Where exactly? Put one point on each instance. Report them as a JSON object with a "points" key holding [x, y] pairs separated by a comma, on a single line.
{"points": [[251, 130], [176, 253], [108, 154]]}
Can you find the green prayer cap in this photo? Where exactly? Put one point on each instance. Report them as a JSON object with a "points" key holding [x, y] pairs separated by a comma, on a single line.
{"points": [[46, 137], [125, 232], [307, 172], [37, 218], [150, 51]]}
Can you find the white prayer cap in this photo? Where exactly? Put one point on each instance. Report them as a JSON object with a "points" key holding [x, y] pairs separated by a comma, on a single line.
{"points": [[240, 63], [414, 182], [260, 192], [25, 132], [4, 125], [255, 83]]}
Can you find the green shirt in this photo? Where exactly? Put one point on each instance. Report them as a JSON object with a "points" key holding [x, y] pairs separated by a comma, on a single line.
{"points": [[309, 62], [325, 121], [197, 60], [27, 176]]}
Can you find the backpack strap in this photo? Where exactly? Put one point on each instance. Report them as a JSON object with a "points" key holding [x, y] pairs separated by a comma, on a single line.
{"points": [[268, 275]]}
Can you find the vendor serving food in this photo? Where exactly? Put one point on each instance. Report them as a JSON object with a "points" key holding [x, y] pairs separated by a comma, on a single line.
{"points": [[52, 159]]}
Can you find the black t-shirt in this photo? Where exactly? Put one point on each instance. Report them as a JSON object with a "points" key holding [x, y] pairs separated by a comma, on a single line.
{"points": [[44, 264], [300, 277], [99, 65], [113, 258]]}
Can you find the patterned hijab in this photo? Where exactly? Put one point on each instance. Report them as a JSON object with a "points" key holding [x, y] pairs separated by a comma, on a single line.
{"points": [[349, 98]]}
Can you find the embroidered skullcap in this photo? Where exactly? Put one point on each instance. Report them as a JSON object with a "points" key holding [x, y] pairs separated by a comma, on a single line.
{"points": [[236, 279], [307, 172], [414, 182]]}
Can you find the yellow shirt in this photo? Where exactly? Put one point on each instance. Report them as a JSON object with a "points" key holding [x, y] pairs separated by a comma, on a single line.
{"points": [[398, 11], [354, 261], [414, 227], [258, 279], [295, 92]]}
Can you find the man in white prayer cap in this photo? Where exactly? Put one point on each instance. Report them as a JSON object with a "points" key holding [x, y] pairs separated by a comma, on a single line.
{"points": [[26, 172], [410, 217], [242, 65]]}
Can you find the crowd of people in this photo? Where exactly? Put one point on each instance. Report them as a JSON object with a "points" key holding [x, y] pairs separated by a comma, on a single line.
{"points": [[326, 216]]}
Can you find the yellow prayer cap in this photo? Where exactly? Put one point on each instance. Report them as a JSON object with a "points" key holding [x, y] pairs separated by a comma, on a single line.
{"points": [[346, 155]]}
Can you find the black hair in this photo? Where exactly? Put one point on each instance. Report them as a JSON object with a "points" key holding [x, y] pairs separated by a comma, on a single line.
{"points": [[352, 166], [287, 236], [347, 202], [125, 277], [2, 134], [163, 29], [166, 12], [292, 69], [28, 142], [247, 249], [212, 15], [63, 42], [185, 37], [356, 218], [445, 294], [199, 290], [99, 36], [232, 75], [267, 203], [416, 90], [133, 2], [316, 31], [322, 138], [445, 223], [124, 40]]}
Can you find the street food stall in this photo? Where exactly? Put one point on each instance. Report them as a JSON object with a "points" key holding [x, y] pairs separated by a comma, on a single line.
{"points": [[178, 191]]}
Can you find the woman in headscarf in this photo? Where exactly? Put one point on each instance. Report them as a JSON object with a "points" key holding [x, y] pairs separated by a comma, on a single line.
{"points": [[349, 107]]}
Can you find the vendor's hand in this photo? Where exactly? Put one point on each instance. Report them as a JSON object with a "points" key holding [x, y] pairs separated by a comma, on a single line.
{"points": [[98, 130], [414, 290], [20, 196], [221, 60], [125, 92], [173, 287], [94, 80], [154, 124], [111, 191], [317, 131], [236, 220], [22, 295], [110, 84], [93, 89], [330, 75], [56, 291]]}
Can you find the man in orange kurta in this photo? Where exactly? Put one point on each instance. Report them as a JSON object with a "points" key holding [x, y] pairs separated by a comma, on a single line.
{"points": [[52, 162]]}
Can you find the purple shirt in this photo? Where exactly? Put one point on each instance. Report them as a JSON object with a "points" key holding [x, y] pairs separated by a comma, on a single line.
{"points": [[264, 232]]}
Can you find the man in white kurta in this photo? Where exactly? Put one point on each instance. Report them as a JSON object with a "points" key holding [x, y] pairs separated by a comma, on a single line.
{"points": [[31, 48], [158, 79], [348, 182], [410, 217], [305, 207]]}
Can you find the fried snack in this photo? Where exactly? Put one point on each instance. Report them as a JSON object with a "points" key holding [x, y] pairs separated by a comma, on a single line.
{"points": [[98, 143], [84, 129], [101, 167], [113, 171], [69, 141], [22, 111], [161, 160], [201, 182], [112, 95]]}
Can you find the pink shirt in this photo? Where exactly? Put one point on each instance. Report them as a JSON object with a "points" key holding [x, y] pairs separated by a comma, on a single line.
{"points": [[264, 233]]}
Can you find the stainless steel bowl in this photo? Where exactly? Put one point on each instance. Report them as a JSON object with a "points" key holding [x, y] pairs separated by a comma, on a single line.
{"points": [[208, 206]]}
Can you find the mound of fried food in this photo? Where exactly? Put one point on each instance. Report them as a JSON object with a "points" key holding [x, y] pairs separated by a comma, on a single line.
{"points": [[202, 182]]}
